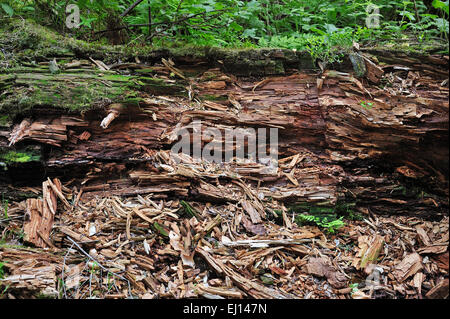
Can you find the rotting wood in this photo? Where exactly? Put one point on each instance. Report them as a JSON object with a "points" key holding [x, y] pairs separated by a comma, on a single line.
{"points": [[42, 214], [389, 128], [372, 252]]}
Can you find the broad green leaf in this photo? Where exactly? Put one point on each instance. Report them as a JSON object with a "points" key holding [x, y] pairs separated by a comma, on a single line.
{"points": [[9, 11], [442, 24], [437, 4]]}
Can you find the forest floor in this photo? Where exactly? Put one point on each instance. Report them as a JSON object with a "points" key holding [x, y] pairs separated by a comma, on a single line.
{"points": [[142, 247]]}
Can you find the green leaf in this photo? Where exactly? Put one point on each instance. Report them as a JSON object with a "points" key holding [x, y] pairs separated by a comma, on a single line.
{"points": [[437, 4], [249, 33], [189, 209], [235, 26], [330, 28], [2, 272], [160, 229], [408, 14], [266, 279], [442, 24], [9, 11]]}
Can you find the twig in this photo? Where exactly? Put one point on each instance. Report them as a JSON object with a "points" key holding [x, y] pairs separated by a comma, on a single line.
{"points": [[263, 243], [417, 13], [62, 273], [179, 6], [170, 23], [101, 266], [128, 10], [149, 18], [11, 218]]}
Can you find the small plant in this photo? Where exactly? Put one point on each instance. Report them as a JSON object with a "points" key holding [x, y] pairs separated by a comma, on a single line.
{"points": [[329, 222], [94, 267], [7, 9], [4, 291], [191, 211], [110, 282], [354, 287], [2, 271], [5, 208], [354, 216], [366, 105], [61, 285], [160, 229]]}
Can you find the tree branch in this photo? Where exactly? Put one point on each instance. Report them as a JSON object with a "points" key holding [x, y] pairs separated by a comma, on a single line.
{"points": [[131, 8]]}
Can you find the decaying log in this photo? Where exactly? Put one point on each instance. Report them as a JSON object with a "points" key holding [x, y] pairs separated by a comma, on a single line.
{"points": [[364, 137], [376, 140]]}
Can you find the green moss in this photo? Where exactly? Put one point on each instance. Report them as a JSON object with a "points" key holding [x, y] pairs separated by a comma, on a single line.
{"points": [[74, 92], [161, 87], [24, 156], [248, 62], [193, 51], [146, 71], [412, 48], [210, 97], [5, 120]]}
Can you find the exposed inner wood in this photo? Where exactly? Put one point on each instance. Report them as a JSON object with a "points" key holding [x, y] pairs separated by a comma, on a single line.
{"points": [[340, 138]]}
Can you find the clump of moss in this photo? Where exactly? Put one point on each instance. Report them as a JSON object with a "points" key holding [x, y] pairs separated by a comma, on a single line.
{"points": [[25, 40], [63, 91], [21, 156], [5, 120], [210, 97]]}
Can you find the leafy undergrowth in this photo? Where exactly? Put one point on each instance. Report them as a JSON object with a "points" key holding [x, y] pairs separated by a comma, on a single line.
{"points": [[324, 28]]}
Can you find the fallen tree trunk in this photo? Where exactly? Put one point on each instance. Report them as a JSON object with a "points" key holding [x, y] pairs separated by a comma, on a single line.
{"points": [[376, 140]]}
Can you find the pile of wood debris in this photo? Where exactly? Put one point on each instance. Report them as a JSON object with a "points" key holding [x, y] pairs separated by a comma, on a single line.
{"points": [[148, 247]]}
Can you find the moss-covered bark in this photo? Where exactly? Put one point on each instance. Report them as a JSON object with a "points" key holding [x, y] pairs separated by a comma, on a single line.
{"points": [[74, 91]]}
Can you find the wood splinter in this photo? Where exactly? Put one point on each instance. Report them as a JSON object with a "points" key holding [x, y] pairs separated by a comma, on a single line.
{"points": [[114, 112]]}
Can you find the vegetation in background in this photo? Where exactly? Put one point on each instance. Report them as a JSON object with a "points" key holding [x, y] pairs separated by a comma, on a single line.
{"points": [[318, 26], [5, 207]]}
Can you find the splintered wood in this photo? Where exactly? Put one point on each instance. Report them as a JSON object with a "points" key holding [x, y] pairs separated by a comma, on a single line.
{"points": [[326, 136], [148, 247], [41, 214]]}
